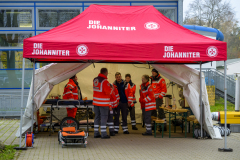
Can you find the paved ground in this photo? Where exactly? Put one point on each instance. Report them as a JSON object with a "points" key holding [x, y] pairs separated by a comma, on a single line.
{"points": [[8, 128], [132, 146]]}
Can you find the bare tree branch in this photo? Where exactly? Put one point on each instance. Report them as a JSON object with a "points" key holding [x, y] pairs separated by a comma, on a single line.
{"points": [[216, 14]]}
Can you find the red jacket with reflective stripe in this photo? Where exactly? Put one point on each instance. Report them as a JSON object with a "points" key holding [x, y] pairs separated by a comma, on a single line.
{"points": [[114, 99], [101, 91], [147, 98], [70, 91], [128, 93], [159, 86], [132, 89], [116, 93]]}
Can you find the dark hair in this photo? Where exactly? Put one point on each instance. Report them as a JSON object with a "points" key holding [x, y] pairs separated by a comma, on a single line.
{"points": [[73, 77], [154, 70], [127, 75], [103, 70], [146, 77], [117, 73]]}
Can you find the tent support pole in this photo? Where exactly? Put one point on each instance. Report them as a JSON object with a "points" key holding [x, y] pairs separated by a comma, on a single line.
{"points": [[225, 149], [33, 93], [200, 100], [22, 92]]}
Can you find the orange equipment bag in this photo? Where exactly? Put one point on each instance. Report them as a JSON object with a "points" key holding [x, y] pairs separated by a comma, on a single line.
{"points": [[71, 131]]}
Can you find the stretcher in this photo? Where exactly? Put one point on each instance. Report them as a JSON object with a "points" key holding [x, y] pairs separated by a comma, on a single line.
{"points": [[70, 136], [58, 103]]}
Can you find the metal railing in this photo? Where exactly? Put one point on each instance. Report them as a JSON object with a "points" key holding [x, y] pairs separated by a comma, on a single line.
{"points": [[216, 78], [10, 105]]}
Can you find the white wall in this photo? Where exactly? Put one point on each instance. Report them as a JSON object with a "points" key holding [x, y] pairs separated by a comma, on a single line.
{"points": [[232, 68]]}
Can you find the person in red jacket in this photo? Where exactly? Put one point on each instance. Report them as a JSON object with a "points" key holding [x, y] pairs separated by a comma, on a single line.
{"points": [[101, 101], [71, 93], [160, 90], [114, 101], [147, 99], [132, 87]]}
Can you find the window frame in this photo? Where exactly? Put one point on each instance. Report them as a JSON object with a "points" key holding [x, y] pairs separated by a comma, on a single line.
{"points": [[40, 32], [15, 50], [20, 28], [14, 32], [51, 8], [175, 8]]}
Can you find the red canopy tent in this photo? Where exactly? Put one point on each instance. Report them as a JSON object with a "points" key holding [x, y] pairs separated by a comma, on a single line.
{"points": [[120, 34], [136, 34]]}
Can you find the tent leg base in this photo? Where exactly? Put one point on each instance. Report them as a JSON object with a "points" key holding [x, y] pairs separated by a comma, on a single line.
{"points": [[20, 148], [225, 149]]}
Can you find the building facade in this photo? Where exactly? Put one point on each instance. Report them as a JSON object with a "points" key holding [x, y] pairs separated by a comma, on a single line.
{"points": [[24, 19]]}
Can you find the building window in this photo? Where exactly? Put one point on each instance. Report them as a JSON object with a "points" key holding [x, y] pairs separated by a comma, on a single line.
{"points": [[13, 79], [12, 18], [13, 59], [169, 13], [13, 39], [54, 17], [10, 70]]}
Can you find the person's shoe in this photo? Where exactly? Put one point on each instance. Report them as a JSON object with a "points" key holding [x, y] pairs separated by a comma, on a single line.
{"points": [[126, 132], [147, 134], [134, 128], [105, 137], [112, 134], [116, 132], [98, 136]]}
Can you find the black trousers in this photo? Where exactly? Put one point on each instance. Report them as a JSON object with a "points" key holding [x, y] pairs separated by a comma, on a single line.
{"points": [[132, 116], [101, 117], [148, 121], [143, 115], [123, 107], [160, 114], [110, 121]]}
